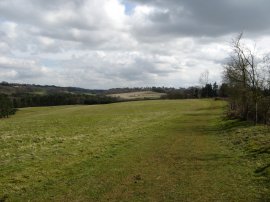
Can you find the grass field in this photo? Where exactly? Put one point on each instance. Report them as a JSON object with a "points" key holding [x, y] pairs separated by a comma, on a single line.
{"points": [[139, 95], [134, 151]]}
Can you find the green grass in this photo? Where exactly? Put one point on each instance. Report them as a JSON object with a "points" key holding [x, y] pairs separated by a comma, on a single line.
{"points": [[254, 143], [135, 151]]}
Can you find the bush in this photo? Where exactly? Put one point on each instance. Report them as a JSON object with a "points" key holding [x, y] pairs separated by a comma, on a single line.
{"points": [[6, 106]]}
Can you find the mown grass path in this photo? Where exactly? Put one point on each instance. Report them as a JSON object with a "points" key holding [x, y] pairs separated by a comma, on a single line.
{"points": [[137, 151]]}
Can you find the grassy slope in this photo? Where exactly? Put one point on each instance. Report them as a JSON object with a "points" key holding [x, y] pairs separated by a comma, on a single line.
{"points": [[139, 95], [138, 151], [254, 144]]}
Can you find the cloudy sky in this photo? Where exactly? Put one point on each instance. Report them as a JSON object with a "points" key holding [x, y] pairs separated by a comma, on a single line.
{"points": [[121, 43]]}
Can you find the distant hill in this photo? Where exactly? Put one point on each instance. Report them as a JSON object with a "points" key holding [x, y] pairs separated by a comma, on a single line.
{"points": [[126, 93], [15, 88]]}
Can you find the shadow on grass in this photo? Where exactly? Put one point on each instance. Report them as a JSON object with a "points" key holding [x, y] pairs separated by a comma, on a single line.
{"points": [[212, 157], [228, 125], [3, 198], [262, 169], [262, 150]]}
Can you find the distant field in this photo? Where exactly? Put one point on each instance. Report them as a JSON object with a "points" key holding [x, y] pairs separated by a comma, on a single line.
{"points": [[138, 95], [164, 150]]}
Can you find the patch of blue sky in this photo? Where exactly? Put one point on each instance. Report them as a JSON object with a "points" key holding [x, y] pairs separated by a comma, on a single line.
{"points": [[50, 63], [2, 20], [129, 7]]}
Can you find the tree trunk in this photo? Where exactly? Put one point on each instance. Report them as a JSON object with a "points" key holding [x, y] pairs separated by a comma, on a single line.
{"points": [[256, 116]]}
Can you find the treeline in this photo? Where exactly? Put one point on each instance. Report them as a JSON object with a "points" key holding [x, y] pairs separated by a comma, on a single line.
{"points": [[28, 100], [9, 103], [247, 76], [208, 91]]}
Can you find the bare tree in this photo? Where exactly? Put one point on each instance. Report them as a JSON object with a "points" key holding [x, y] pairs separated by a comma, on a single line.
{"points": [[242, 73], [236, 76], [204, 78]]}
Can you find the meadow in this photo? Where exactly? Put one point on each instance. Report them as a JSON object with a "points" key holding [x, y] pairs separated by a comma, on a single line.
{"points": [[162, 150]]}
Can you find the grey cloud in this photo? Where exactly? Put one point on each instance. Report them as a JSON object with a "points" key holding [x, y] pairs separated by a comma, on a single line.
{"points": [[20, 74], [141, 69], [80, 43], [205, 18], [68, 20]]}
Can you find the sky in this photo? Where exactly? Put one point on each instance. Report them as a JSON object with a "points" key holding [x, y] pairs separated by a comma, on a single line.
{"points": [[125, 43]]}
